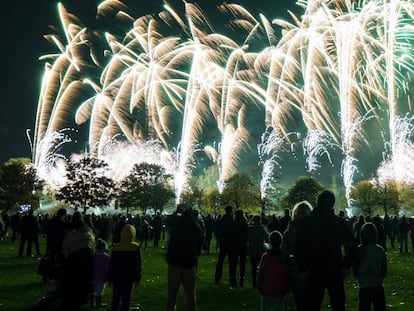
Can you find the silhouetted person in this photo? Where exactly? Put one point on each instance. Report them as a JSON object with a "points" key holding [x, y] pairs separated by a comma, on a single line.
{"points": [[156, 228], [297, 278], [15, 226], [28, 229], [224, 237], [284, 221], [318, 251], [77, 270], [55, 231], [239, 245], [185, 241], [257, 236], [403, 229], [209, 226]]}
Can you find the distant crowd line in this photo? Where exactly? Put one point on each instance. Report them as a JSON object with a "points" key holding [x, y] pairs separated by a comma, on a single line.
{"points": [[306, 251]]}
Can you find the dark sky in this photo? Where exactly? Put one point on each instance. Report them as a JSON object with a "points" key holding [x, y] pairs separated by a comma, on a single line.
{"points": [[23, 24]]}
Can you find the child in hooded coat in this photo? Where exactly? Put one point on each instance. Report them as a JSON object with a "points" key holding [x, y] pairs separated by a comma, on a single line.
{"points": [[272, 276], [370, 269], [124, 268]]}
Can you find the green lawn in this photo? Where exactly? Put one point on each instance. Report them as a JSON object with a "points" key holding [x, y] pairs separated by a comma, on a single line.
{"points": [[21, 287]]}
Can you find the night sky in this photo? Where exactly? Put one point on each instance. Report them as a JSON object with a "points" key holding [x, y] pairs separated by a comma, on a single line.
{"points": [[23, 24]]}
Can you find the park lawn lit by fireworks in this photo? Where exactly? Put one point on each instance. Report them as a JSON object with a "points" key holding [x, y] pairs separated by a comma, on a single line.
{"points": [[21, 287]]}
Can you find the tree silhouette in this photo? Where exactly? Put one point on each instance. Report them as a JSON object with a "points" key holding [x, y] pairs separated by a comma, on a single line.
{"points": [[147, 186], [305, 188], [239, 192], [18, 184], [87, 184], [364, 196]]}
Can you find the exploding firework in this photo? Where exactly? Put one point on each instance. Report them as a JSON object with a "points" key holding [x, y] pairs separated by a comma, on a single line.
{"points": [[174, 79]]}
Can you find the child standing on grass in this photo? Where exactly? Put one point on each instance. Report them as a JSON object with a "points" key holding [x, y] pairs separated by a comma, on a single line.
{"points": [[370, 269], [124, 268], [100, 272], [272, 276]]}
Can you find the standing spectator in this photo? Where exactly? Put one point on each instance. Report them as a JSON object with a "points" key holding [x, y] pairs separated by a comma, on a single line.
{"points": [[156, 228], [284, 221], [200, 223], [273, 224], [145, 232], [15, 226], [380, 231], [209, 226], [183, 245], [272, 275], [6, 222], [224, 237], [411, 228], [120, 221], [388, 229], [395, 235], [297, 279], [28, 229], [2, 229], [55, 231], [370, 269], [77, 270], [357, 227], [124, 268], [101, 260], [318, 251], [239, 245], [257, 236], [403, 229]]}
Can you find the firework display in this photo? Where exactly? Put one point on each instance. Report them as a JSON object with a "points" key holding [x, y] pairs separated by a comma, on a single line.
{"points": [[171, 80]]}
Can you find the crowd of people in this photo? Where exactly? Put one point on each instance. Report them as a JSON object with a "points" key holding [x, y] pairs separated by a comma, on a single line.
{"points": [[307, 251]]}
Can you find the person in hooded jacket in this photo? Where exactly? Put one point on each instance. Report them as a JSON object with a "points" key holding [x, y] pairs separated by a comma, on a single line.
{"points": [[124, 268], [370, 269]]}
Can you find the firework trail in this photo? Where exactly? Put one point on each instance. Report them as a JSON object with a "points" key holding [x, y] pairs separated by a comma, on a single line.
{"points": [[337, 66]]}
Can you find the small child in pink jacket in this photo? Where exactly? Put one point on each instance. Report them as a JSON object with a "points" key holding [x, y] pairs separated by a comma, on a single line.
{"points": [[272, 276], [100, 271]]}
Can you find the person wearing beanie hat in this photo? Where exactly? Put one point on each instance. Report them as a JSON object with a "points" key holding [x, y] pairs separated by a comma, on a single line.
{"points": [[272, 276], [370, 269]]}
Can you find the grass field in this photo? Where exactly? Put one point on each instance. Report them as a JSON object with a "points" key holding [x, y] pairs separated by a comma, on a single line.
{"points": [[21, 287]]}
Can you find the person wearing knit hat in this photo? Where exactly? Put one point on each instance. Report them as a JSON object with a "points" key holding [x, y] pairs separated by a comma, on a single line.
{"points": [[272, 276]]}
